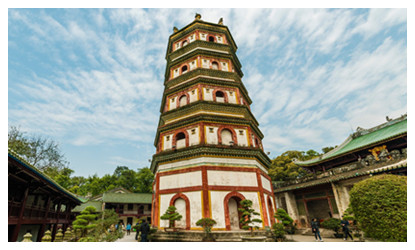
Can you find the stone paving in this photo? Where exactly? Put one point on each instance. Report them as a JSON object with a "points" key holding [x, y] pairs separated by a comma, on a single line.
{"points": [[292, 238], [127, 238]]}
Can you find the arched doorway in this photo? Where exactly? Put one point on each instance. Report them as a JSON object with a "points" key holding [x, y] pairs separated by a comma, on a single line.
{"points": [[232, 215], [270, 211], [180, 205]]}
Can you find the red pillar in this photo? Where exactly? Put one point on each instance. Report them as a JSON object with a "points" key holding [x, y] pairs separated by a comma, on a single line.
{"points": [[21, 212]]}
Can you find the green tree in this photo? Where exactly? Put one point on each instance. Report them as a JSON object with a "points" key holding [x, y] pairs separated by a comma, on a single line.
{"points": [[379, 205], [85, 222], [327, 149], [42, 153], [145, 180], [283, 167], [247, 212], [171, 215]]}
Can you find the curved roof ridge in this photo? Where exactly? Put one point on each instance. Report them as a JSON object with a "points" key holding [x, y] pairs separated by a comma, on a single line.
{"points": [[35, 170]]}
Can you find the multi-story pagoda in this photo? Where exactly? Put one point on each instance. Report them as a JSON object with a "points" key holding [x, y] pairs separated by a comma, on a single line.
{"points": [[209, 152]]}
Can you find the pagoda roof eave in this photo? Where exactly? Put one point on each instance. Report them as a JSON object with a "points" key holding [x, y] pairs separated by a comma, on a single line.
{"points": [[210, 150]]}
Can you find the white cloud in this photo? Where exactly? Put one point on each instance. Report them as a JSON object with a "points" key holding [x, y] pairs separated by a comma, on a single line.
{"points": [[312, 74], [379, 20]]}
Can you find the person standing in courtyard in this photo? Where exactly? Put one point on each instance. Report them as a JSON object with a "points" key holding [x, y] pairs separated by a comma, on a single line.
{"points": [[316, 229], [137, 229], [345, 226], [128, 228], [145, 230]]}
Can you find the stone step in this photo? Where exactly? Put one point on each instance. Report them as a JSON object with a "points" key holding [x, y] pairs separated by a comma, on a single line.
{"points": [[219, 236]]}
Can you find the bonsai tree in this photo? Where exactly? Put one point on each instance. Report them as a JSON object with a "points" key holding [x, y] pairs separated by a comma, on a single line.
{"points": [[207, 224], [247, 212], [286, 220], [171, 215], [278, 231], [380, 206], [85, 222], [333, 224]]}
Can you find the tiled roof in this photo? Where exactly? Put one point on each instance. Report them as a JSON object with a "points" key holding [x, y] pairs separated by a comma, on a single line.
{"points": [[347, 175], [96, 204], [144, 198], [363, 139], [37, 172]]}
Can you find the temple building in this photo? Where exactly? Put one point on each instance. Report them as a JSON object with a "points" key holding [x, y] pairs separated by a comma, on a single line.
{"points": [[36, 203], [324, 193], [209, 153], [130, 207]]}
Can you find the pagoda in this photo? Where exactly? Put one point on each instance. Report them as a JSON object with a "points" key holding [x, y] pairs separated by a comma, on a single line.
{"points": [[209, 153]]}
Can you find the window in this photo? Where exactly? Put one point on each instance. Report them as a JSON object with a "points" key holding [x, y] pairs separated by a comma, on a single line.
{"points": [[226, 136], [241, 132], [184, 69], [210, 130], [130, 206], [182, 100], [230, 93], [220, 96], [211, 39], [193, 131], [168, 138], [193, 92], [180, 140], [184, 43], [207, 90], [215, 65]]}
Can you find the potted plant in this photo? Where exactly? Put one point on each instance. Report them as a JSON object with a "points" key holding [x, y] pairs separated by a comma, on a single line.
{"points": [[333, 224], [171, 215], [278, 232], [207, 224]]}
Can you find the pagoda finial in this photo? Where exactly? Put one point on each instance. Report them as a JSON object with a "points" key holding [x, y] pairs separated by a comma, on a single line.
{"points": [[220, 21], [175, 29], [198, 16]]}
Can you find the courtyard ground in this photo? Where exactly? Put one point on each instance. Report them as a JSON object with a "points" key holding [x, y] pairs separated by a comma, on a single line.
{"points": [[294, 238]]}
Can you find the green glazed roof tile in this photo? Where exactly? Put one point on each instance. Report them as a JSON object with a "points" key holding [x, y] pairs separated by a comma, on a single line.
{"points": [[366, 138], [127, 198]]}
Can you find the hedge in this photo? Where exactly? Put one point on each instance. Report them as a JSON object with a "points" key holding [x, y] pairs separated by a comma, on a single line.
{"points": [[380, 206]]}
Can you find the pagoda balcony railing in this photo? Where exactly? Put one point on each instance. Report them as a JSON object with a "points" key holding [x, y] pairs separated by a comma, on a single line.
{"points": [[369, 161], [224, 48], [203, 72]]}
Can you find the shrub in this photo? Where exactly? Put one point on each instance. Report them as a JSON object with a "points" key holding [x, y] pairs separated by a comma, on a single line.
{"points": [[286, 220], [333, 224], [206, 223], [85, 222], [278, 231], [247, 212], [379, 204], [171, 215]]}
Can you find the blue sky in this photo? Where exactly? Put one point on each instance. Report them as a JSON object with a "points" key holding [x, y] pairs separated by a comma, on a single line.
{"points": [[92, 79]]}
